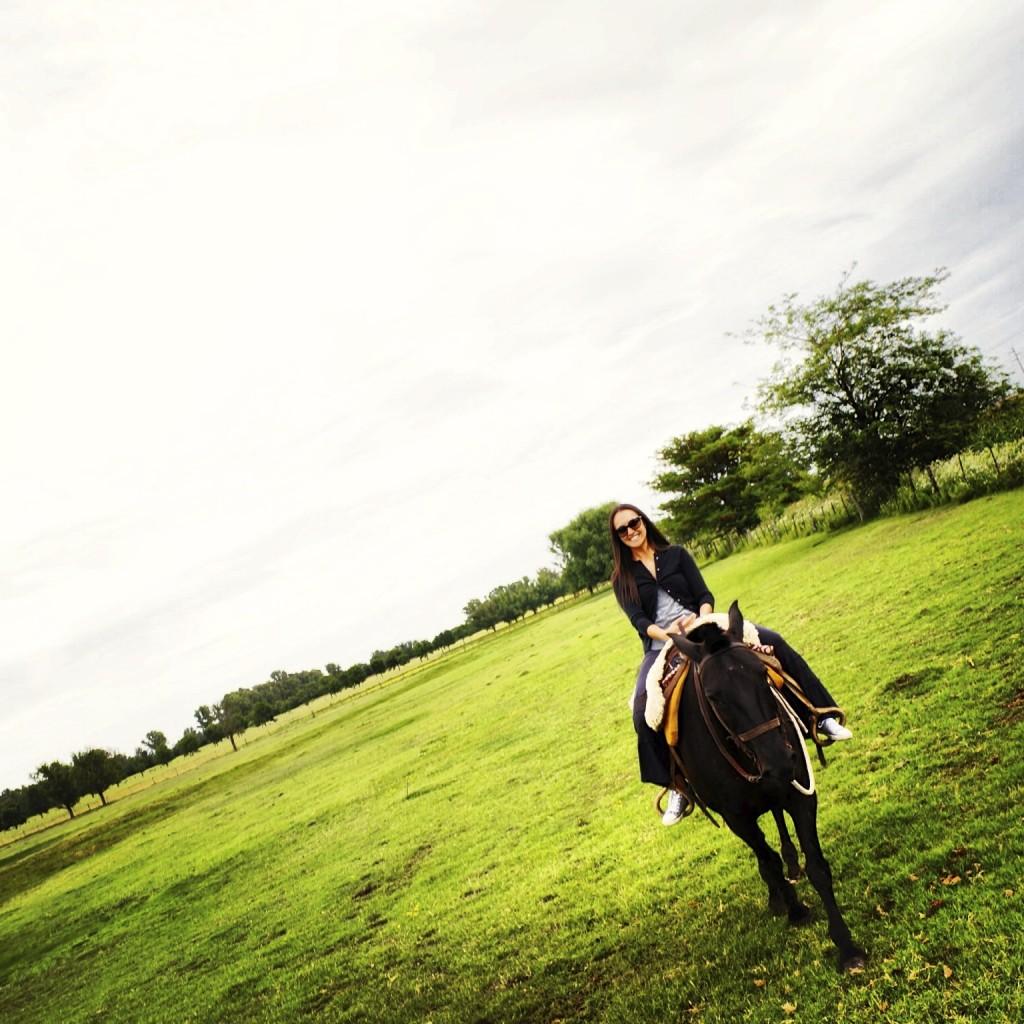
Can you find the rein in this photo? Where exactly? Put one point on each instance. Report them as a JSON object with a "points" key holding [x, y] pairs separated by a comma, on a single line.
{"points": [[710, 715], [775, 670], [775, 677]]}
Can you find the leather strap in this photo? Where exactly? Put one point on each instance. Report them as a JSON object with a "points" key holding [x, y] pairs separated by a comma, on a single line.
{"points": [[760, 730]]}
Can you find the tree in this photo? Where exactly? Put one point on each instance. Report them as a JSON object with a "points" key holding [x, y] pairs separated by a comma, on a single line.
{"points": [[60, 784], [189, 743], [335, 684], [13, 809], [548, 586], [869, 395], [96, 772], [142, 759], [262, 712], [725, 479], [207, 720], [156, 742], [355, 674], [37, 799], [443, 639], [481, 614], [509, 602], [1002, 422], [123, 765], [584, 550], [232, 715]]}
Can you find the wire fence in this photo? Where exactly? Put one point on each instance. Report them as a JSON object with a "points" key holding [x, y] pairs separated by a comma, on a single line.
{"points": [[969, 474]]}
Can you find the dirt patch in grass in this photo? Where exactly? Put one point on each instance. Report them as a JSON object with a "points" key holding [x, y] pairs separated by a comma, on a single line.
{"points": [[1013, 710], [908, 684], [412, 864], [399, 879], [365, 890], [200, 884]]}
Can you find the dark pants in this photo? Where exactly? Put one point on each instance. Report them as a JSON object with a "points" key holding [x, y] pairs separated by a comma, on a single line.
{"points": [[651, 746]]}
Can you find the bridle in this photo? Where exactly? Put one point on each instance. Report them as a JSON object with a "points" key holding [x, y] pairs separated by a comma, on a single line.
{"points": [[716, 725], [721, 731]]}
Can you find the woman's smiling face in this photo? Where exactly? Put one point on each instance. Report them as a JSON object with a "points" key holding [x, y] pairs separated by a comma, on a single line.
{"points": [[630, 528]]}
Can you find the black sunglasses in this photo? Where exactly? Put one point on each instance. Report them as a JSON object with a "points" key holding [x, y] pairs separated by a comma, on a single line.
{"points": [[625, 528]]}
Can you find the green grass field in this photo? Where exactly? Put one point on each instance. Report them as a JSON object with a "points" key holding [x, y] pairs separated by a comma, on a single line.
{"points": [[471, 843]]}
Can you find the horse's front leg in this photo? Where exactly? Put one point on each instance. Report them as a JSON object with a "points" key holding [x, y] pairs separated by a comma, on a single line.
{"points": [[804, 812], [786, 847], [781, 895]]}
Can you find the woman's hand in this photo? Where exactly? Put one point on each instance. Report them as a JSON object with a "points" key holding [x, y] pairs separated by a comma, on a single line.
{"points": [[679, 626], [655, 632]]}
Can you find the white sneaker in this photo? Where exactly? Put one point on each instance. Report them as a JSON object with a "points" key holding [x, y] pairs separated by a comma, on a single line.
{"points": [[674, 812], [833, 730]]}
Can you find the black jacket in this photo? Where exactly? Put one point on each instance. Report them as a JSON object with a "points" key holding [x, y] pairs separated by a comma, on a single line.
{"points": [[677, 573]]}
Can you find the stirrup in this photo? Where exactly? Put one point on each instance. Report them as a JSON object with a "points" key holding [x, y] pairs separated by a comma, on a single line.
{"points": [[688, 802]]}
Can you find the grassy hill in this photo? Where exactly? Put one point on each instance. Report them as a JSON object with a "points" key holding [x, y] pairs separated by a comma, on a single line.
{"points": [[472, 844]]}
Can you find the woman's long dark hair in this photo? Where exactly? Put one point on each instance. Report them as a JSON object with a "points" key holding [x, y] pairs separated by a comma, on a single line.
{"points": [[623, 580]]}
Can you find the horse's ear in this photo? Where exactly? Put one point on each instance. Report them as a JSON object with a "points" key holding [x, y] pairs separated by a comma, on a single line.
{"points": [[688, 647], [735, 630]]}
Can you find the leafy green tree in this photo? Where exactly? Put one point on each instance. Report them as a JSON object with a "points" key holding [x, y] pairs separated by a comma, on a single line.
{"points": [[142, 759], [209, 726], [61, 785], [156, 742], [1003, 421], [124, 765], [481, 614], [262, 712], [335, 684], [189, 743], [583, 549], [37, 798], [355, 674], [869, 395], [96, 772], [311, 683], [548, 587], [725, 479], [510, 601], [443, 639], [13, 809], [232, 714]]}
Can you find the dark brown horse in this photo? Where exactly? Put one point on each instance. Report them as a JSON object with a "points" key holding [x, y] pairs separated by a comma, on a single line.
{"points": [[743, 755]]}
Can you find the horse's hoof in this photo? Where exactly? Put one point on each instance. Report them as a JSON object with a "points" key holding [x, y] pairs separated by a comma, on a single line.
{"points": [[794, 871], [776, 905], [854, 962], [800, 914]]}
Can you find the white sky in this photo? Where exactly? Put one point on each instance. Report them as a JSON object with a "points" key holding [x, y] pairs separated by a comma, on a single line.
{"points": [[315, 322]]}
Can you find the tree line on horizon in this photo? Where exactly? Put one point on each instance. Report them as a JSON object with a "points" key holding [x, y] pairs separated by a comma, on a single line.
{"points": [[95, 770], [860, 399]]}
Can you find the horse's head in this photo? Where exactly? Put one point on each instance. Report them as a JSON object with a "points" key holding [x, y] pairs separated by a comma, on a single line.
{"points": [[733, 687]]}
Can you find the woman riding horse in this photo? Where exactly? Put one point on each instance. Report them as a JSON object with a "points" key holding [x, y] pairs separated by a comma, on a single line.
{"points": [[661, 591]]}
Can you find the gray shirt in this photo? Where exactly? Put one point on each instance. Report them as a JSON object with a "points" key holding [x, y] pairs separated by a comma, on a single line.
{"points": [[669, 609]]}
